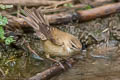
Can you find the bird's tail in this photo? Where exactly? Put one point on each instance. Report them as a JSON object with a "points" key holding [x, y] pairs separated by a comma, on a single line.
{"points": [[38, 21]]}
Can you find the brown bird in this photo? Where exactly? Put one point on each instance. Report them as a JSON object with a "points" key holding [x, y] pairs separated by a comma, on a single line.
{"points": [[55, 41]]}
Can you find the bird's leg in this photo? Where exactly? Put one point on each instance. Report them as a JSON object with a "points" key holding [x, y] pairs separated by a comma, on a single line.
{"points": [[54, 60], [69, 65]]}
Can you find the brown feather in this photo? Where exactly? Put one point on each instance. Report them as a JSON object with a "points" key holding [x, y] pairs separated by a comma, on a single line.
{"points": [[38, 22]]}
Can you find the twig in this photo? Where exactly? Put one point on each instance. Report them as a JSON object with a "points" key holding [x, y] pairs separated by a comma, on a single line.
{"points": [[28, 46], [57, 4], [31, 50], [2, 72], [54, 70]]}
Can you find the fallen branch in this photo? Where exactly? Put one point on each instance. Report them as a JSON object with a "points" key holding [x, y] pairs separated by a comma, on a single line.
{"points": [[29, 2], [100, 2], [52, 71], [84, 15], [99, 12]]}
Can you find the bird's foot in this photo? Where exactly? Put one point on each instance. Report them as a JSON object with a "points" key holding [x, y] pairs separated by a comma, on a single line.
{"points": [[61, 65], [69, 65], [56, 61]]}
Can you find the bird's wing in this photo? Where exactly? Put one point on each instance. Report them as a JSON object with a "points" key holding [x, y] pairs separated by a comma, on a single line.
{"points": [[39, 23]]}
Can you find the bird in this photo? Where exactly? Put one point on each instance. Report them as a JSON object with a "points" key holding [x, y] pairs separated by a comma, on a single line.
{"points": [[55, 41]]}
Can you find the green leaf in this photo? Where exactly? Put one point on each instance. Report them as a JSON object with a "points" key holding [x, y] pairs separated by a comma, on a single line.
{"points": [[2, 33], [87, 7], [68, 5], [65, 5], [8, 6], [3, 21], [5, 6], [9, 40], [0, 16], [2, 6]]}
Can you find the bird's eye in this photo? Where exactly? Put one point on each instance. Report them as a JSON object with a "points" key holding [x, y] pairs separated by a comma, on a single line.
{"points": [[73, 46]]}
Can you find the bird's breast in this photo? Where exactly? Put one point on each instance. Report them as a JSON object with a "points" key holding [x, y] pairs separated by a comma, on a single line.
{"points": [[56, 50]]}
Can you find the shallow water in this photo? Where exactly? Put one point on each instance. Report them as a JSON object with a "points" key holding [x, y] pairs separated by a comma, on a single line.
{"points": [[107, 68], [23, 68]]}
